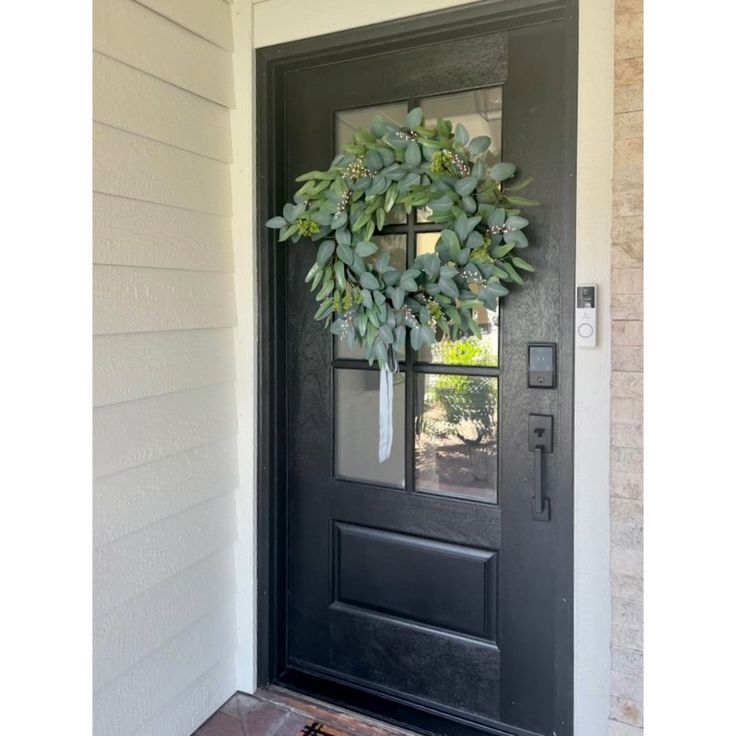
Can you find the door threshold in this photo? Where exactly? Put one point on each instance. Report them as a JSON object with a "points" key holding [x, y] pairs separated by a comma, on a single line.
{"points": [[332, 716]]}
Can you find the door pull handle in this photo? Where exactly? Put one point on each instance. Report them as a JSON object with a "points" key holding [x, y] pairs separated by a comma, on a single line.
{"points": [[540, 441]]}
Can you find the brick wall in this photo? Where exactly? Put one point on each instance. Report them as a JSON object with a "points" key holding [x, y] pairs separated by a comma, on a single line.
{"points": [[626, 715]]}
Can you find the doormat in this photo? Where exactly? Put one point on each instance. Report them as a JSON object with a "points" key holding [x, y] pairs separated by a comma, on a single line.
{"points": [[315, 728]]}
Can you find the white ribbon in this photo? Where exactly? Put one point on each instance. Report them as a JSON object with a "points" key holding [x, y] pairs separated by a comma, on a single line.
{"points": [[386, 408]]}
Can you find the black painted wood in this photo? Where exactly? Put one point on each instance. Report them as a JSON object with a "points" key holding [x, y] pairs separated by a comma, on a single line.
{"points": [[369, 647], [433, 585]]}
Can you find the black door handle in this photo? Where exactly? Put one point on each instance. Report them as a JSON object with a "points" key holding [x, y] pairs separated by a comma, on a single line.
{"points": [[540, 441]]}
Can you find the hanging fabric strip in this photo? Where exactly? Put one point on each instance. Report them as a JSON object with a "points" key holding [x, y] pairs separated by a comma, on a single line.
{"points": [[386, 408]]}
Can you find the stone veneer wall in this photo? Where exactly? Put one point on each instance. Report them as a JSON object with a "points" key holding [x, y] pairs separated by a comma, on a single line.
{"points": [[626, 717]]}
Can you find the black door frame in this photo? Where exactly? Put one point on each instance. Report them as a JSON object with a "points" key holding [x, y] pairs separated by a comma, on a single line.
{"points": [[272, 63]]}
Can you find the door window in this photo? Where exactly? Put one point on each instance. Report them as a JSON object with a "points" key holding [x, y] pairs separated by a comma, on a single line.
{"points": [[449, 392]]}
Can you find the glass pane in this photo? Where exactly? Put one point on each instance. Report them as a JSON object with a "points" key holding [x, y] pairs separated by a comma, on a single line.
{"points": [[427, 242], [467, 351], [356, 428], [396, 246], [348, 122], [478, 110], [456, 434]]}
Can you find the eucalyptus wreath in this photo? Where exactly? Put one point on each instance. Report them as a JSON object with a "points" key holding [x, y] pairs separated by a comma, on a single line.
{"points": [[363, 298]]}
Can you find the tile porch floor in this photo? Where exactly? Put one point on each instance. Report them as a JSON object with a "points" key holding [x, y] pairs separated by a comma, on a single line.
{"points": [[277, 712]]}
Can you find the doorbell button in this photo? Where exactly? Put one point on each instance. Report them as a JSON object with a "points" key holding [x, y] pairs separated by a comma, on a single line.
{"points": [[585, 329], [586, 302]]}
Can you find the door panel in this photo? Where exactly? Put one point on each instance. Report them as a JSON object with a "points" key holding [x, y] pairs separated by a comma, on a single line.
{"points": [[426, 581]]}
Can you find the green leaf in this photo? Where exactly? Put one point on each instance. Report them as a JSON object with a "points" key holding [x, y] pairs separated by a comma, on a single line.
{"points": [[345, 254], [312, 271], [516, 222], [416, 338], [390, 198], [497, 217], [465, 186], [324, 309], [286, 233], [378, 126], [449, 287], [502, 171], [412, 179], [365, 248], [474, 240], [523, 184], [463, 257], [479, 169], [522, 264], [290, 212], [380, 218], [327, 288], [413, 155], [373, 161], [276, 222], [408, 283], [414, 118], [516, 237], [501, 250], [339, 220], [479, 144], [317, 279], [522, 201], [387, 155], [339, 269], [469, 204], [495, 289], [427, 334], [386, 334], [391, 277], [369, 281], [325, 251], [367, 298], [441, 205], [397, 297], [513, 273], [357, 266], [461, 134], [315, 175]]}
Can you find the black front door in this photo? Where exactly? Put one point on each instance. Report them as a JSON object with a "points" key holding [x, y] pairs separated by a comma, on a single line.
{"points": [[428, 589]]}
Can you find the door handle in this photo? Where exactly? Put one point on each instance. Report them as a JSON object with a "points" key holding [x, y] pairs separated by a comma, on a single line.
{"points": [[540, 441]]}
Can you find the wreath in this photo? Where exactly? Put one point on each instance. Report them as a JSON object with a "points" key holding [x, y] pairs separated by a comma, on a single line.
{"points": [[363, 298]]}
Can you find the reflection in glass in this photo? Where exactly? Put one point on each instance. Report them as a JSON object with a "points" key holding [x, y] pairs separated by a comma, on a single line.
{"points": [[356, 428], [456, 436], [467, 350], [349, 122], [427, 242], [396, 246], [478, 110]]}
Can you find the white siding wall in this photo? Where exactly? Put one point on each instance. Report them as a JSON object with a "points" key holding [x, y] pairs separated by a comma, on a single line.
{"points": [[165, 417]]}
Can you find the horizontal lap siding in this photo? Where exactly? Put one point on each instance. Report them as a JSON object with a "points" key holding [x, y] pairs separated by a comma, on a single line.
{"points": [[152, 299], [134, 101], [124, 705], [131, 232], [138, 365], [129, 32], [128, 165], [165, 421]]}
